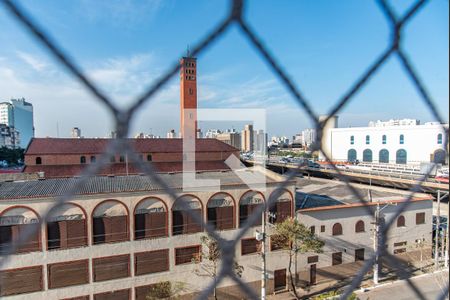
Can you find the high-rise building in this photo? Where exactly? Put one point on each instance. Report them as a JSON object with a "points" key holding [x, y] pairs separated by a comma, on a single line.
{"points": [[8, 136], [247, 137], [261, 142], [18, 114], [309, 137], [188, 97], [75, 133], [171, 134], [231, 138]]}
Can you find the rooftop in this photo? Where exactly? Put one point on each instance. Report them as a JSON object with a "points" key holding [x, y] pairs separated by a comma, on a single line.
{"points": [[116, 184], [314, 193], [42, 146]]}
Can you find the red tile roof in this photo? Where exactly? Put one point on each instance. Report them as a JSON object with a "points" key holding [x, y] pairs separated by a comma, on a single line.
{"points": [[40, 146], [53, 171]]}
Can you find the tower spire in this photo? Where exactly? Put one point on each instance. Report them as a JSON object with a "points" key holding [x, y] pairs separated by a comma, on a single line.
{"points": [[188, 51]]}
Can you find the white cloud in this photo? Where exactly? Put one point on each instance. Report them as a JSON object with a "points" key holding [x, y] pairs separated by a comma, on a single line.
{"points": [[35, 62]]}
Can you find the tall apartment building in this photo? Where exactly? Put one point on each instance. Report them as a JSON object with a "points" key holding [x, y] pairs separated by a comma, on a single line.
{"points": [[247, 136], [309, 136], [232, 138], [8, 136], [18, 113], [75, 133]]}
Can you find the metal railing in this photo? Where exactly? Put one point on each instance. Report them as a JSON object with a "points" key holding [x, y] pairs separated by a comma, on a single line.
{"points": [[236, 17]]}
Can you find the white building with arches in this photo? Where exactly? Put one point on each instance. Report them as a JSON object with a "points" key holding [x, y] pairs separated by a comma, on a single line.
{"points": [[388, 142]]}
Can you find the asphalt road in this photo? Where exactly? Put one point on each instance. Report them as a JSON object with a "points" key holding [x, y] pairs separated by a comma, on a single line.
{"points": [[430, 285]]}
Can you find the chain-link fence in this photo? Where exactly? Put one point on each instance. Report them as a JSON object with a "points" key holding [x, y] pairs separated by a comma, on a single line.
{"points": [[236, 17]]}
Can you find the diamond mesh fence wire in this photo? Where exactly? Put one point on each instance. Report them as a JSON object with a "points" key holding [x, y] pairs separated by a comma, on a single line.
{"points": [[236, 17]]}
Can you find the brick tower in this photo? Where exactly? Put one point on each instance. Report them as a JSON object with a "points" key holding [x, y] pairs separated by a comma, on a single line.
{"points": [[188, 97]]}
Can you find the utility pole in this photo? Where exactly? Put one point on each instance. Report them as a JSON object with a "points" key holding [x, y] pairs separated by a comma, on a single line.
{"points": [[375, 242], [437, 231], [263, 255]]}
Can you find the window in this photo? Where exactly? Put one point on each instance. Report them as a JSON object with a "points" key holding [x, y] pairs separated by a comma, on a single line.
{"points": [[336, 258], [337, 229], [439, 138], [110, 223], [115, 295], [38, 160], [93, 159], [277, 243], [359, 227], [249, 203], [150, 219], [359, 254], [383, 156], [122, 159], [112, 159], [185, 255], [401, 221], [384, 139], [352, 140], [183, 221], [191, 91], [66, 234], [420, 218], [351, 155], [401, 156], [399, 244], [20, 281], [402, 139], [439, 156], [322, 228], [220, 213], [367, 155], [151, 262], [313, 229], [82, 159], [281, 209], [68, 274], [250, 246], [367, 139], [108, 268], [149, 157], [313, 259], [398, 251]]}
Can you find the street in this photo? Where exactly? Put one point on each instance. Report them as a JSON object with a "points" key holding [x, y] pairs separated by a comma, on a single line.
{"points": [[430, 285]]}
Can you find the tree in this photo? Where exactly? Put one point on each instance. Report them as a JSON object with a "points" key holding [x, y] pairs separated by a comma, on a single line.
{"points": [[295, 237], [165, 290], [209, 262]]}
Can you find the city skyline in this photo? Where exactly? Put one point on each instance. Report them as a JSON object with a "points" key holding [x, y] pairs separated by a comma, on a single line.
{"points": [[123, 65]]}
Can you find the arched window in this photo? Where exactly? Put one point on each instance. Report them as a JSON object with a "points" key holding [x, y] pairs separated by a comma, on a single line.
{"points": [[367, 155], [122, 158], [359, 227], [352, 140], [149, 157], [38, 160], [220, 213], [337, 229], [183, 212], [66, 227], [400, 157], [93, 159], [110, 222], [150, 219], [250, 202], [351, 155], [439, 156], [439, 138], [401, 221], [15, 222], [367, 139], [82, 159], [384, 139], [383, 156], [281, 209], [402, 139]]}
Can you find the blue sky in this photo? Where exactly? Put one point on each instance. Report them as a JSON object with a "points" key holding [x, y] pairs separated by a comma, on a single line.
{"points": [[126, 45]]}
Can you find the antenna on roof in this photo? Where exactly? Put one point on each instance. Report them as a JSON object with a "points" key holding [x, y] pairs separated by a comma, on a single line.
{"points": [[188, 52]]}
